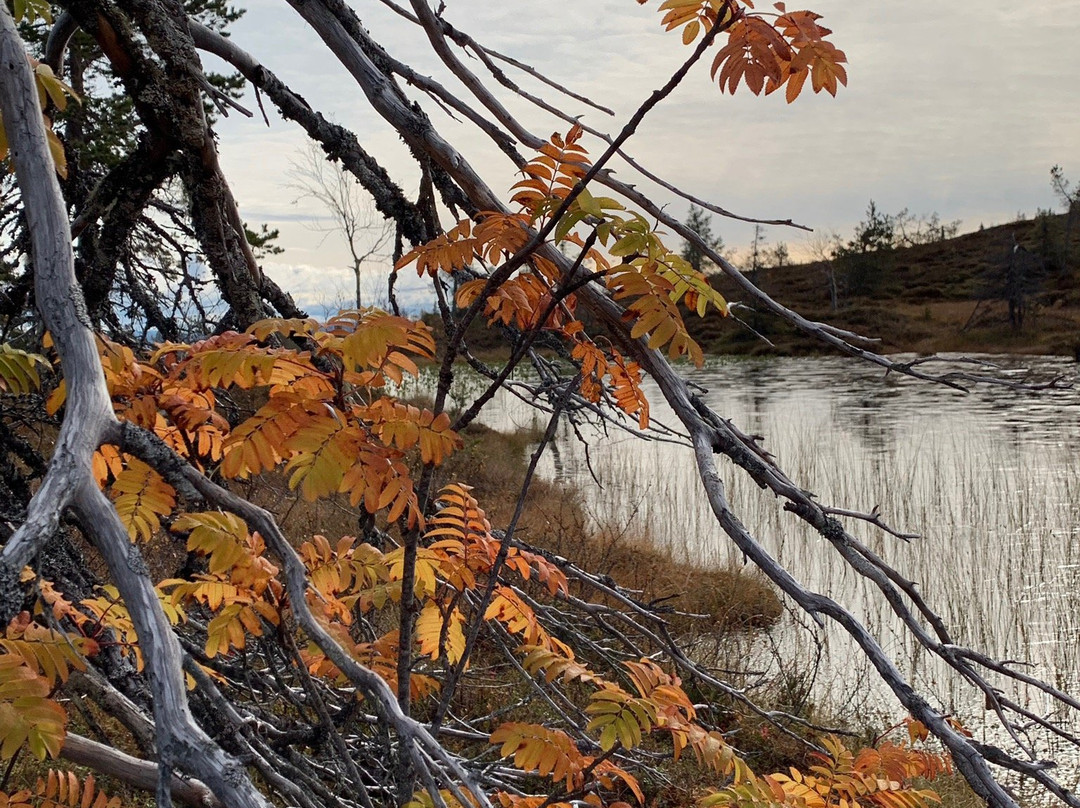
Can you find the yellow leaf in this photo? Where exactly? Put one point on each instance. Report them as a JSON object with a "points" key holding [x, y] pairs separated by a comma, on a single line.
{"points": [[221, 536], [18, 370], [141, 495], [429, 632], [27, 715], [535, 748], [322, 451], [691, 31]]}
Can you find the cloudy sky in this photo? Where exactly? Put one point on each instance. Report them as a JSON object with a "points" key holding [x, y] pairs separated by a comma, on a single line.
{"points": [[958, 108]]}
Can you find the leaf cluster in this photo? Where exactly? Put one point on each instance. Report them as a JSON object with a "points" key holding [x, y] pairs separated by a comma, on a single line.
{"points": [[654, 283], [880, 776], [325, 422], [60, 789], [765, 52]]}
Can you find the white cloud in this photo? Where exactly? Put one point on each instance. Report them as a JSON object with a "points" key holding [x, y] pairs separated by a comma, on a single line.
{"points": [[321, 290], [957, 107]]}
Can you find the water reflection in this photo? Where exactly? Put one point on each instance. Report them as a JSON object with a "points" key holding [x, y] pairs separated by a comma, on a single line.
{"points": [[988, 479]]}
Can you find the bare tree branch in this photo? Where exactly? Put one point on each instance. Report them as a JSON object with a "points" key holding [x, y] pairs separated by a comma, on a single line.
{"points": [[141, 774], [89, 420]]}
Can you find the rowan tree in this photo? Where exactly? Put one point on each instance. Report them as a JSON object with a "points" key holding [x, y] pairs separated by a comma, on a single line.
{"points": [[332, 671]]}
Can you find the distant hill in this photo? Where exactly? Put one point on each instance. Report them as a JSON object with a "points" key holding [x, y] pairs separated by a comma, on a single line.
{"points": [[931, 298], [945, 296]]}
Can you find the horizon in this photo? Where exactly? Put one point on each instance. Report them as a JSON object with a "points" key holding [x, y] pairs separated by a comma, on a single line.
{"points": [[959, 109], [414, 301]]}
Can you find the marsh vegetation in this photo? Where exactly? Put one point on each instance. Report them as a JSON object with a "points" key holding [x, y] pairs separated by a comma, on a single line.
{"points": [[988, 480]]}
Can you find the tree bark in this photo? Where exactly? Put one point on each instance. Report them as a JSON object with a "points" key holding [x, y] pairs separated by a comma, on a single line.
{"points": [[88, 421], [141, 774]]}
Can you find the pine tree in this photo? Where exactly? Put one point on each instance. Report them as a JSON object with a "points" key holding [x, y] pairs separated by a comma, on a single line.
{"points": [[701, 223]]}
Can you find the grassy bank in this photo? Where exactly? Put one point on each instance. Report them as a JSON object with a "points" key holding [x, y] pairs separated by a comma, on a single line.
{"points": [[731, 598]]}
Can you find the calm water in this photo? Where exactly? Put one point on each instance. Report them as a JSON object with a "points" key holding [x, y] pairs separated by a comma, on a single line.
{"points": [[990, 480]]}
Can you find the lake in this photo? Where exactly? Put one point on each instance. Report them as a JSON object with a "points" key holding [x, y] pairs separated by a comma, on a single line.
{"points": [[989, 479]]}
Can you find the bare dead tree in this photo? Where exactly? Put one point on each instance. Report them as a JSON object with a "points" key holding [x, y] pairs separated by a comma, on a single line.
{"points": [[1069, 197], [351, 210], [822, 247]]}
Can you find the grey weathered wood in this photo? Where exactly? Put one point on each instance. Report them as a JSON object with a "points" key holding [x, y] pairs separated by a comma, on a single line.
{"points": [[88, 421], [142, 774]]}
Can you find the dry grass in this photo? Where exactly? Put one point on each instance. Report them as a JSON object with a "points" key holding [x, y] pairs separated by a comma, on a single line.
{"points": [[554, 519], [955, 792]]}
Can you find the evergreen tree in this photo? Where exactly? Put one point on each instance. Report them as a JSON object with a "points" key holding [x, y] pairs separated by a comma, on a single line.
{"points": [[701, 223]]}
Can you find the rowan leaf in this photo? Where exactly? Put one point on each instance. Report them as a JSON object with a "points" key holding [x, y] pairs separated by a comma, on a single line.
{"points": [[52, 87], [557, 663], [219, 536], [437, 633], [322, 451], [258, 444], [451, 251], [426, 572], [18, 370], [30, 10], [620, 717], [346, 568], [141, 496], [548, 752], [405, 426], [27, 715], [63, 789], [49, 653], [380, 480], [519, 618], [228, 629], [111, 615]]}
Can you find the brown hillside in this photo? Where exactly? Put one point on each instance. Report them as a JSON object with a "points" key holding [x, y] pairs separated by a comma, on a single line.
{"points": [[930, 298], [945, 296]]}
